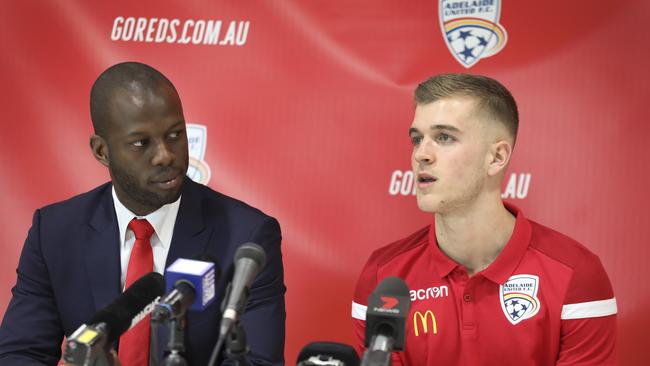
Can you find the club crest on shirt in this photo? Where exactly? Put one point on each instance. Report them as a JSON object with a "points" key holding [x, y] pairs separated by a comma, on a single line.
{"points": [[471, 29], [197, 138], [518, 296]]}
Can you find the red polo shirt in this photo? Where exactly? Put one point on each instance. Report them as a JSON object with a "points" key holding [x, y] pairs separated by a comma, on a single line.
{"points": [[545, 300]]}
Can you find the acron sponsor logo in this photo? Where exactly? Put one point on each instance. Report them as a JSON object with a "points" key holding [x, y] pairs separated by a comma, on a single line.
{"points": [[212, 32], [402, 183]]}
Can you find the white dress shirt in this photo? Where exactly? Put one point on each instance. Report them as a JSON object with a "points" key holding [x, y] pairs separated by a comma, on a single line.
{"points": [[162, 220]]}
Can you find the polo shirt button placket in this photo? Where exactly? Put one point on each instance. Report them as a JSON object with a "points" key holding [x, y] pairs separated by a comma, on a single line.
{"points": [[469, 323], [469, 328]]}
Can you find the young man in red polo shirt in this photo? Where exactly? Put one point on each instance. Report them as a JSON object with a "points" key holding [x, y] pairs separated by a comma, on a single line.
{"points": [[488, 286]]}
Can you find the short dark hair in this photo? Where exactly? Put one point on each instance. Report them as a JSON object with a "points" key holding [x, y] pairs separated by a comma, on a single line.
{"points": [[491, 95], [127, 75]]}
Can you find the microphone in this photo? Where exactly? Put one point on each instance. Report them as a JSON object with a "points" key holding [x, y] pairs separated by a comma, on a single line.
{"points": [[250, 258], [328, 354], [90, 343], [190, 285], [388, 307]]}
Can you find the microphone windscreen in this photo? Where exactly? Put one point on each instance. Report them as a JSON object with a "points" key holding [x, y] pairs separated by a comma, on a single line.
{"points": [[392, 286], [388, 308], [118, 315], [337, 351], [251, 251]]}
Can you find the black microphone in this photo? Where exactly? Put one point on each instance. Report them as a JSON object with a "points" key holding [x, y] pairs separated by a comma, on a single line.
{"points": [[90, 343], [328, 354], [388, 307], [250, 259], [190, 286]]}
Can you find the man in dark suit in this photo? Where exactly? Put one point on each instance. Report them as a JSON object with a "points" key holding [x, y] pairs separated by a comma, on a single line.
{"points": [[79, 252]]}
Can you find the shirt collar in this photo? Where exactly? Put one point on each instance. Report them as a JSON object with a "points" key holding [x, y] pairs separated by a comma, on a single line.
{"points": [[162, 220], [504, 266], [507, 261]]}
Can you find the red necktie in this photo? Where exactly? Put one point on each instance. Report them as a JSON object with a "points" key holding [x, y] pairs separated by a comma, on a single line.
{"points": [[134, 344]]}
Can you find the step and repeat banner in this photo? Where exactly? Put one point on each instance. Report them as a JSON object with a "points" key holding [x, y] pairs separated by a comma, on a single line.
{"points": [[302, 109]]}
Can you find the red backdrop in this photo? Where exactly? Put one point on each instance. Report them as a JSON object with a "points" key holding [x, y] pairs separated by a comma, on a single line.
{"points": [[307, 106]]}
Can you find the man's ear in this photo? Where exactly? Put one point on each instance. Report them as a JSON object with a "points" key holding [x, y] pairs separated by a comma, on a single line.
{"points": [[99, 148], [500, 156]]}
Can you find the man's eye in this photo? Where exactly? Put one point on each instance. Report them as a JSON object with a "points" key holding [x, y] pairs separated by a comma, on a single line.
{"points": [[139, 143], [416, 140], [175, 134], [443, 137]]}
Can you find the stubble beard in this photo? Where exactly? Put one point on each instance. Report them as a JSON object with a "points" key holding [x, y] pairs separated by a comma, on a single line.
{"points": [[145, 198], [454, 201]]}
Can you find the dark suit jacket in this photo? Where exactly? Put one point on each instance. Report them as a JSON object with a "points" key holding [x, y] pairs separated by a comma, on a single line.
{"points": [[70, 268]]}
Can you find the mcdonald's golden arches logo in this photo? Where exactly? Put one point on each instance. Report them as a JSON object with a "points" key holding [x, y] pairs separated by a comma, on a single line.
{"points": [[424, 322]]}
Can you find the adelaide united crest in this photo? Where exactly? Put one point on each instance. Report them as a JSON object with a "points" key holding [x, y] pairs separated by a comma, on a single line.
{"points": [[471, 29], [197, 139], [518, 296]]}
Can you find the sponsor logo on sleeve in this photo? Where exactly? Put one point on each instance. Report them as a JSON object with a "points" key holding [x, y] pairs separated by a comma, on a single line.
{"points": [[422, 321], [197, 139], [471, 29], [518, 297]]}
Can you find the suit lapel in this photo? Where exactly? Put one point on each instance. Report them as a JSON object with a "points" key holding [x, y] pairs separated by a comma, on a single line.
{"points": [[102, 244], [190, 236], [102, 251]]}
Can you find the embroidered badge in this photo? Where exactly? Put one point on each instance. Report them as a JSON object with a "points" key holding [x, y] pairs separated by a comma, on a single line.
{"points": [[518, 296]]}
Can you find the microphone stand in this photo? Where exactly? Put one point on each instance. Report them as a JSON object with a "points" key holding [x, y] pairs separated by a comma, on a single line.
{"points": [[235, 339], [236, 346], [175, 320], [176, 343]]}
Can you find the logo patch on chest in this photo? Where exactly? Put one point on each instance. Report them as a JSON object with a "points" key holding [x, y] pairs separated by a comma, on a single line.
{"points": [[518, 296], [424, 320]]}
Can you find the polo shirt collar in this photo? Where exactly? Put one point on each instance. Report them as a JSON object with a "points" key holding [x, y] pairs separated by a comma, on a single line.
{"points": [[507, 261]]}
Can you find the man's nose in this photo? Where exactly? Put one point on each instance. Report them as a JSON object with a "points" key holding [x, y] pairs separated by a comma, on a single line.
{"points": [[424, 152], [163, 155]]}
